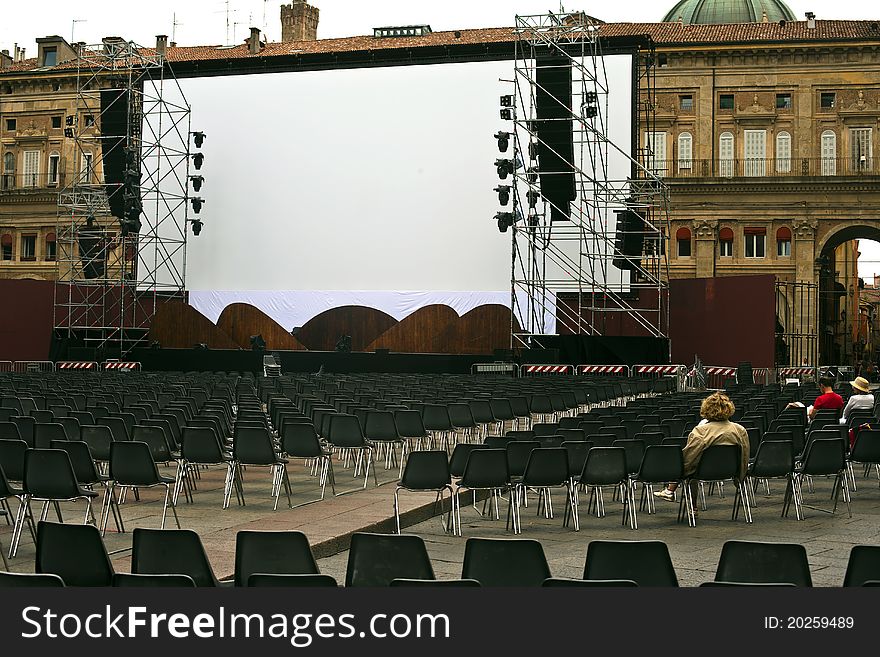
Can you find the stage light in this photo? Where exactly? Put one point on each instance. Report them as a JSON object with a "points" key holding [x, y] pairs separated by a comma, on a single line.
{"points": [[503, 141], [507, 101], [197, 182], [68, 132], [508, 113], [198, 138], [505, 220], [197, 204], [589, 108], [590, 112], [532, 197], [504, 168], [503, 194], [198, 158], [196, 226], [70, 120]]}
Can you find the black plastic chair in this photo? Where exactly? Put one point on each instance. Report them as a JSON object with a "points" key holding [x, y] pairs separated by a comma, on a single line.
{"points": [[607, 466], [755, 562], [866, 452], [377, 559], [435, 418], [547, 468], [427, 471], [863, 565], [132, 467], [171, 552], [254, 446], [30, 581], [300, 441], [276, 552], [505, 562], [661, 464], [45, 433], [345, 435], [75, 553], [824, 456], [86, 471], [200, 447], [773, 460], [12, 458], [25, 424], [486, 470], [98, 437], [564, 582], [411, 428], [381, 430], [273, 580], [718, 463], [130, 580], [49, 478], [647, 563]]}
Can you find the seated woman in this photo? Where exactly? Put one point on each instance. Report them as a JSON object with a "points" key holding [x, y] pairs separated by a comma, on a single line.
{"points": [[717, 429], [861, 399]]}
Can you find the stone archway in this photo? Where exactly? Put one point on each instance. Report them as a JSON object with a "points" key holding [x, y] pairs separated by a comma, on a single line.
{"points": [[840, 340]]}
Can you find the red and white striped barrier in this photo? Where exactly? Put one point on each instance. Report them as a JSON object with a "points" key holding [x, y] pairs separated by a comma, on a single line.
{"points": [[725, 372], [607, 370], [796, 371], [657, 370], [532, 370], [119, 365], [77, 365]]}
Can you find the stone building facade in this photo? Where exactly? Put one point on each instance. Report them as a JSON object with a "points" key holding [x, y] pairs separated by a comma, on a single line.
{"points": [[299, 21]]}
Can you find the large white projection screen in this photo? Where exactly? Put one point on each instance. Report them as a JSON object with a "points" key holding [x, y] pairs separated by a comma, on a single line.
{"points": [[376, 180]]}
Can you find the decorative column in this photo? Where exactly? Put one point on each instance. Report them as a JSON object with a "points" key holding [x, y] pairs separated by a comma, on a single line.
{"points": [[705, 233], [805, 249]]}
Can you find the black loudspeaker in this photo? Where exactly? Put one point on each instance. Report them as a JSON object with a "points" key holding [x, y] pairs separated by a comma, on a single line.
{"points": [[555, 131], [114, 128], [92, 250], [630, 239]]}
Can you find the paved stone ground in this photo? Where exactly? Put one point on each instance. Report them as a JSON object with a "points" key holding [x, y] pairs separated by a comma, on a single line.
{"points": [[330, 523]]}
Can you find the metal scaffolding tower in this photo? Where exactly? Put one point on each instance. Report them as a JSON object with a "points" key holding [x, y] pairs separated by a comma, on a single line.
{"points": [[592, 258], [122, 218]]}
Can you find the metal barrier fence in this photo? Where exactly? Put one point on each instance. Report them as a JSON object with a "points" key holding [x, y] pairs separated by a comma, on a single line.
{"points": [[659, 371], [603, 370], [121, 366], [543, 370], [509, 369], [801, 373], [23, 366], [79, 365], [764, 376], [5, 365], [717, 378]]}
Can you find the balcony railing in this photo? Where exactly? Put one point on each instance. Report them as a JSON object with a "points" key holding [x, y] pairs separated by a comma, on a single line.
{"points": [[11, 181], [767, 168]]}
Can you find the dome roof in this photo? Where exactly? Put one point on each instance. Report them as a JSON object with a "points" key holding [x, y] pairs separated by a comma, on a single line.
{"points": [[713, 12]]}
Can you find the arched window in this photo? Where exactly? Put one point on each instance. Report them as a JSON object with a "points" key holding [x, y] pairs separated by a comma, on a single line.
{"points": [[54, 171], [725, 154], [829, 153], [683, 237], [783, 242], [685, 151], [783, 152], [725, 243], [51, 247]]}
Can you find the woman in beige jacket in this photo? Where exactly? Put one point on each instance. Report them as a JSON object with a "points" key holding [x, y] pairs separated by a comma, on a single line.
{"points": [[716, 429]]}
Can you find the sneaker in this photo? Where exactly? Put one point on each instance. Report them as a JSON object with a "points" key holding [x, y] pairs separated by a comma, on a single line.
{"points": [[665, 494]]}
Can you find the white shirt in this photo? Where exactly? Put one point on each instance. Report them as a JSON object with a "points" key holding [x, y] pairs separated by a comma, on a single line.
{"points": [[855, 403]]}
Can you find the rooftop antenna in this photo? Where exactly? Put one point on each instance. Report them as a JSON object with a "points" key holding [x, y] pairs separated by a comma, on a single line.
{"points": [[264, 15], [174, 26], [229, 12], [73, 26]]}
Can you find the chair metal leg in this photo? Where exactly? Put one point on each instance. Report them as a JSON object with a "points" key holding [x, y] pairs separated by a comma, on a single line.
{"points": [[23, 509]]}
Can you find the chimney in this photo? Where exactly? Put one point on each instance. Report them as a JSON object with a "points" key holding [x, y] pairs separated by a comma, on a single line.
{"points": [[161, 44], [5, 59], [21, 55], [811, 20], [253, 42], [299, 21]]}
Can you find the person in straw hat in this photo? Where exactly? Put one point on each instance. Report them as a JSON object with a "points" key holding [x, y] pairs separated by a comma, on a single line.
{"points": [[861, 399]]}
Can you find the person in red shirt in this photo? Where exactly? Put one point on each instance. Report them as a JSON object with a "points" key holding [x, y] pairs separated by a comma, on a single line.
{"points": [[828, 398]]}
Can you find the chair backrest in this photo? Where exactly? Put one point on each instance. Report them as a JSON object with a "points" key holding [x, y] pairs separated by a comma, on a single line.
{"points": [[254, 446], [775, 458], [377, 559], [460, 455], [130, 580], [661, 463], [300, 440], [647, 563], [547, 466], [634, 450], [605, 466], [274, 580], [505, 562], [867, 446], [754, 562], [518, 452], [131, 464], [48, 474], [719, 462], [81, 460], [29, 580], [824, 456], [863, 565], [199, 445], [435, 417], [9, 431], [277, 552], [426, 470], [12, 458], [577, 455], [171, 552], [156, 439], [345, 431], [45, 433], [75, 553], [25, 424], [380, 425], [409, 424], [117, 427]]}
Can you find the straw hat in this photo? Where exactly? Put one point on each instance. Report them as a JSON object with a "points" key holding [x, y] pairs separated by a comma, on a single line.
{"points": [[861, 383]]}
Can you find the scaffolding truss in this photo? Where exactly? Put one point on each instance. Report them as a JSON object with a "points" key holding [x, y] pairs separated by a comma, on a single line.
{"points": [[596, 265], [131, 153]]}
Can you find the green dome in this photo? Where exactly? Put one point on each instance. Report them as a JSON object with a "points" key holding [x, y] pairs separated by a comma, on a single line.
{"points": [[713, 12]]}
